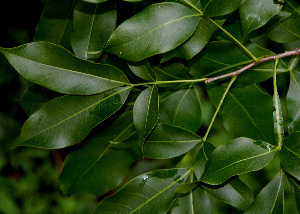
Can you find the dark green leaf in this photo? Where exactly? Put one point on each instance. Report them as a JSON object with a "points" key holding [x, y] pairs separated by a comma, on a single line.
{"points": [[223, 57], [256, 13], [246, 112], [183, 108], [99, 21], [97, 167], [56, 68], [234, 192], [293, 102], [67, 120], [270, 199], [166, 141], [148, 193], [56, 23], [290, 155], [202, 158], [157, 29], [220, 7], [145, 113], [237, 157], [275, 20], [296, 189], [195, 43], [187, 187], [143, 70]]}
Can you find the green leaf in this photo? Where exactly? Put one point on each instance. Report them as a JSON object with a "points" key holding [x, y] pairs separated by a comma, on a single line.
{"points": [[220, 7], [56, 23], [195, 43], [56, 68], [289, 29], [234, 192], [202, 157], [148, 193], [237, 157], [270, 199], [98, 167], [296, 189], [145, 113], [95, 1], [293, 102], [67, 120], [143, 70], [256, 13], [187, 187], [99, 21], [290, 155], [183, 109], [157, 29], [224, 57], [242, 112], [166, 141]]}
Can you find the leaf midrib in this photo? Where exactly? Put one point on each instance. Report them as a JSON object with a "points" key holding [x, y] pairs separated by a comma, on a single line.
{"points": [[64, 69], [79, 112]]}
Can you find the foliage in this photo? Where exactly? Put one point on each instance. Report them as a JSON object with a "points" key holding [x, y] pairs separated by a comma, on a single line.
{"points": [[137, 94]]}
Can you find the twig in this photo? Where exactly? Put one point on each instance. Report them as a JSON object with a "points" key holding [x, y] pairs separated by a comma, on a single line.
{"points": [[252, 64]]}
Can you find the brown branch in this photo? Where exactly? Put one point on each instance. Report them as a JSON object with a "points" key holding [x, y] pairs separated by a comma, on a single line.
{"points": [[252, 64]]}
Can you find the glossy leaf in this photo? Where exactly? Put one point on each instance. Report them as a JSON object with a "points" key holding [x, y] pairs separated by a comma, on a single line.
{"points": [[196, 42], [224, 57], [234, 192], [289, 29], [145, 113], [148, 193], [256, 13], [270, 199], [293, 102], [246, 112], [166, 141], [220, 7], [157, 29], [189, 203], [183, 108], [143, 70], [202, 157], [55, 68], [296, 189], [67, 120], [56, 23], [97, 167], [237, 157], [99, 21], [290, 155]]}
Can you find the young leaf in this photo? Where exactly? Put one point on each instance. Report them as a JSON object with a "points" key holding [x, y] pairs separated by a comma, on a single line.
{"points": [[220, 7], [195, 43], [143, 70], [56, 23], [183, 108], [67, 120], [166, 141], [270, 199], [256, 13], [145, 113], [157, 29], [202, 157], [296, 189], [237, 157], [99, 21], [234, 192], [56, 68], [224, 57], [148, 193], [290, 155], [293, 102], [97, 167], [242, 112]]}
